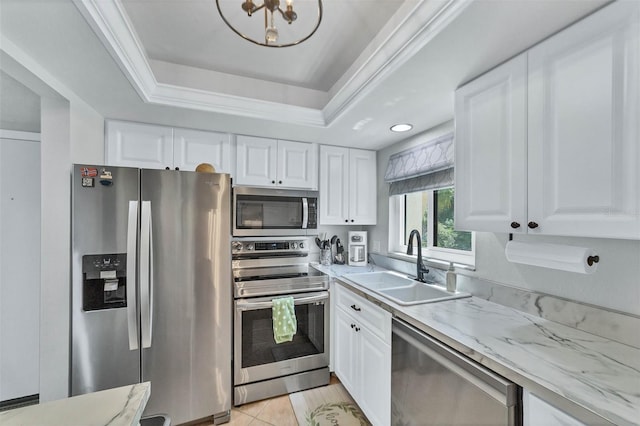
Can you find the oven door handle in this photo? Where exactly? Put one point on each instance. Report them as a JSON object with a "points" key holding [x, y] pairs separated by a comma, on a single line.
{"points": [[305, 212], [247, 305]]}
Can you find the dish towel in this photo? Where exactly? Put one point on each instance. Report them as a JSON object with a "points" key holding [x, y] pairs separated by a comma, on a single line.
{"points": [[284, 319]]}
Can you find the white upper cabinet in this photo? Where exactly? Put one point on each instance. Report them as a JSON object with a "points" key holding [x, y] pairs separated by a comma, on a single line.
{"points": [[269, 162], [347, 186], [159, 147], [256, 161], [584, 131], [549, 142], [297, 164], [138, 145], [192, 147], [491, 144]]}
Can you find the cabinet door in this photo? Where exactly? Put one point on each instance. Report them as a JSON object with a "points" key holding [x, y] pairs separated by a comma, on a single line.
{"points": [[375, 379], [256, 161], [584, 149], [491, 162], [363, 188], [334, 179], [297, 165], [192, 147], [138, 145], [346, 352]]}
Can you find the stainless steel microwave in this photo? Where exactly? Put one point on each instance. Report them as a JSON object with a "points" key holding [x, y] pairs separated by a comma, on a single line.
{"points": [[273, 212]]}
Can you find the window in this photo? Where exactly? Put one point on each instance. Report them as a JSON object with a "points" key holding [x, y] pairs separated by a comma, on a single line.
{"points": [[431, 213]]}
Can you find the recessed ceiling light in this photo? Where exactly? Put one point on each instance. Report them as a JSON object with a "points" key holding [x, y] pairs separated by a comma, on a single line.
{"points": [[398, 128]]}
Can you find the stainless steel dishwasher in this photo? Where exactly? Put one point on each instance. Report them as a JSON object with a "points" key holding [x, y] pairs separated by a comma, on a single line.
{"points": [[432, 384]]}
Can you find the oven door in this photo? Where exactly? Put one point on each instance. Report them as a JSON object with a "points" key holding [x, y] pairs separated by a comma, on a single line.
{"points": [[256, 354]]}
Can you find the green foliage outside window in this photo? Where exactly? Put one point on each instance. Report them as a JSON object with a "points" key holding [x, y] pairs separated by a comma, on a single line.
{"points": [[445, 234]]}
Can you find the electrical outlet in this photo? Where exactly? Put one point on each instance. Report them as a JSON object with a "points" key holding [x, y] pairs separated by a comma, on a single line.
{"points": [[376, 245]]}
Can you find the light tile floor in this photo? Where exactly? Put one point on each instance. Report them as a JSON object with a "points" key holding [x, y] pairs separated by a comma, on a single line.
{"points": [[275, 411]]}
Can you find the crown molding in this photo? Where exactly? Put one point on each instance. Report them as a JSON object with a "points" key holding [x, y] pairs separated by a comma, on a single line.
{"points": [[419, 27], [109, 21], [185, 97]]}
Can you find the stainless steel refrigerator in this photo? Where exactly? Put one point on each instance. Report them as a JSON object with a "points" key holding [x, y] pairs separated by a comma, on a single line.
{"points": [[151, 290]]}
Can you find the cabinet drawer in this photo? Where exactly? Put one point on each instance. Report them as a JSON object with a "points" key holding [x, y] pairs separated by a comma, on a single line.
{"points": [[368, 314]]}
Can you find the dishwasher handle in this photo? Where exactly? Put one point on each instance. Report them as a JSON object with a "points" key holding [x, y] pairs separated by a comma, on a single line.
{"points": [[486, 380]]}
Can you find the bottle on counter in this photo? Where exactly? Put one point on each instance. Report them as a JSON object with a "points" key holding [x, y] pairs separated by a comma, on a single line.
{"points": [[451, 278]]}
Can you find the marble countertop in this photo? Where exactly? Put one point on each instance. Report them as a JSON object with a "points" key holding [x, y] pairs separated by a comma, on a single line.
{"points": [[114, 407], [595, 373]]}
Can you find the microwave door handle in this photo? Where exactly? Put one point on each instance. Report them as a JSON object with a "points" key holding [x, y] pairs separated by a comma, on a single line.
{"points": [[305, 212], [132, 233]]}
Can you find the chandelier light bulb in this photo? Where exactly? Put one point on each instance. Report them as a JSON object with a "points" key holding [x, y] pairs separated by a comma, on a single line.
{"points": [[271, 34]]}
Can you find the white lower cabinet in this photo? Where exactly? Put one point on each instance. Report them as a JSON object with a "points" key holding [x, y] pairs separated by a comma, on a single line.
{"points": [[537, 412], [363, 353]]}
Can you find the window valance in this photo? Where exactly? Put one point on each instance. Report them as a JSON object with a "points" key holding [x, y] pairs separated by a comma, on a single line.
{"points": [[427, 166]]}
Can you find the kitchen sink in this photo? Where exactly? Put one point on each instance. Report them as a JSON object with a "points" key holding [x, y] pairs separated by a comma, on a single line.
{"points": [[380, 280], [420, 293], [401, 289]]}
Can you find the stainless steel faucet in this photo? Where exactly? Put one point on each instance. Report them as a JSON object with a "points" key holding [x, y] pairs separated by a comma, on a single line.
{"points": [[420, 269]]}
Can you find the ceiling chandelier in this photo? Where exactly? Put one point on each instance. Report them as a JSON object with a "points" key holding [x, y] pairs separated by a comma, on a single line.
{"points": [[272, 10]]}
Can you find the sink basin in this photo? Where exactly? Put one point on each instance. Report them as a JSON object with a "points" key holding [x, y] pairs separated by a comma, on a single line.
{"points": [[401, 289], [380, 280], [420, 293]]}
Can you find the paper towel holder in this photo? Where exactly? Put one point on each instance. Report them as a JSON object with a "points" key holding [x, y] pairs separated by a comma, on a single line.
{"points": [[593, 259]]}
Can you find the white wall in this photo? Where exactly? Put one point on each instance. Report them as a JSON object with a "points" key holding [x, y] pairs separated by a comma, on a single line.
{"points": [[615, 285], [19, 264], [56, 228], [86, 134]]}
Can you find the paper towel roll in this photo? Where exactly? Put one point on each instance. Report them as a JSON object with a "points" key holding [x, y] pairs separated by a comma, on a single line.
{"points": [[555, 256]]}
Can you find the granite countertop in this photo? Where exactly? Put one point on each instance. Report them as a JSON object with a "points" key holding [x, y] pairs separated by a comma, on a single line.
{"points": [[115, 407], [595, 373]]}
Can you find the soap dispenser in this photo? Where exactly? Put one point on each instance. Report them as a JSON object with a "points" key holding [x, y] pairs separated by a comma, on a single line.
{"points": [[451, 279]]}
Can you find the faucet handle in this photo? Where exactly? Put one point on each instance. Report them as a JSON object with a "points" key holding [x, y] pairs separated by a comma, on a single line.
{"points": [[423, 271]]}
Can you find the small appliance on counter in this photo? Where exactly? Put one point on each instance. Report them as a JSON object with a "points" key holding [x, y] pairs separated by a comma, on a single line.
{"points": [[357, 248]]}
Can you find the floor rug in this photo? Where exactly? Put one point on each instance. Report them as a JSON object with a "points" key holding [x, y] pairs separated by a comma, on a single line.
{"points": [[327, 405]]}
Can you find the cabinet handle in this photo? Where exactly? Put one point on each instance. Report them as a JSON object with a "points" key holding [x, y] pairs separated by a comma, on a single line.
{"points": [[353, 325], [357, 329], [177, 168], [532, 225], [273, 181], [279, 182], [351, 220], [355, 308], [346, 220], [515, 225], [167, 168]]}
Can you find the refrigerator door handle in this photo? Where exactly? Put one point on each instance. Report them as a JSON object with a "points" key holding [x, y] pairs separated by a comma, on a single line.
{"points": [[146, 275], [132, 318]]}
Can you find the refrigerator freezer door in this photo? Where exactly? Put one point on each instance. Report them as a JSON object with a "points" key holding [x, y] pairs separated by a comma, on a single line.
{"points": [[189, 360], [100, 354]]}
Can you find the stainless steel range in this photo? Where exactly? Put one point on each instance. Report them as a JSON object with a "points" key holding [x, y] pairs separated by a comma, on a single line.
{"points": [[263, 270]]}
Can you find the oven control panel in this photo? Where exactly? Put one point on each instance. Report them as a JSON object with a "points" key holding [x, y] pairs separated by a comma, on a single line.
{"points": [[267, 247]]}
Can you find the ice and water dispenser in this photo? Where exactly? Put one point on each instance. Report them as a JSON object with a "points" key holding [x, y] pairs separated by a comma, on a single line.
{"points": [[104, 281]]}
